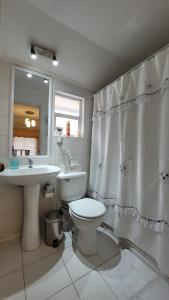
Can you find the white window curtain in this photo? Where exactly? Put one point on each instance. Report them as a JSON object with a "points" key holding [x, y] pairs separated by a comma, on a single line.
{"points": [[129, 169]]}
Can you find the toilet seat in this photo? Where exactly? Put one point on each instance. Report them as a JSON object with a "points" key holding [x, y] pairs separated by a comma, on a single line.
{"points": [[87, 208]]}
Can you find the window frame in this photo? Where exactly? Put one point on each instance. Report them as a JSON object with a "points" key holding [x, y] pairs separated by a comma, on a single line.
{"points": [[80, 118]]}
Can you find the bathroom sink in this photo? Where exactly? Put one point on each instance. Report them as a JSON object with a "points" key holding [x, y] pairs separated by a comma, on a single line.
{"points": [[26, 176], [30, 179]]}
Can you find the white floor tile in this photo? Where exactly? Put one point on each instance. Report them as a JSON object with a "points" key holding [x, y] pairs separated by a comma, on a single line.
{"points": [[126, 274], [65, 294], [107, 246], [45, 277], [158, 289], [93, 287], [79, 265], [10, 259], [42, 252], [12, 286], [143, 269]]}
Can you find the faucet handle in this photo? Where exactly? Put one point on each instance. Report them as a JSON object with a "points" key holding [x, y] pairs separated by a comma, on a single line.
{"points": [[30, 162]]}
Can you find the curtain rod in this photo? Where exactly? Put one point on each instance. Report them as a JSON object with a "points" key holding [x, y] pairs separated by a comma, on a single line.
{"points": [[134, 68]]}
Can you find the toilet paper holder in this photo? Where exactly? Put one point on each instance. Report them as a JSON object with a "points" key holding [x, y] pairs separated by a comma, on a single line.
{"points": [[48, 190]]}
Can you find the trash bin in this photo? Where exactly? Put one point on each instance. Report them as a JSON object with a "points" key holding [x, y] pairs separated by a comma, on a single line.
{"points": [[54, 227]]}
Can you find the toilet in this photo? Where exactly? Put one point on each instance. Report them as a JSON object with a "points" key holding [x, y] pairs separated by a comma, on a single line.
{"points": [[86, 213]]}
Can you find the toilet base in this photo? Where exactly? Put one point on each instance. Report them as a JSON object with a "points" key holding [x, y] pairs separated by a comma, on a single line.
{"points": [[87, 239], [87, 242]]}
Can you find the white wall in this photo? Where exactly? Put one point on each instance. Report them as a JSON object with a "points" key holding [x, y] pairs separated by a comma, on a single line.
{"points": [[11, 197]]}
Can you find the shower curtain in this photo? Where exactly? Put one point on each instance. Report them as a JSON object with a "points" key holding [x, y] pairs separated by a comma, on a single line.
{"points": [[129, 169]]}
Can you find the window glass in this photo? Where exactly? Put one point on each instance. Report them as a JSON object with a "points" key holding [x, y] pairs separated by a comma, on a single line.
{"points": [[65, 105], [62, 122]]}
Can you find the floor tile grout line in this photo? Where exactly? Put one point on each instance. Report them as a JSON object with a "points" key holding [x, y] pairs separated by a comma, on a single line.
{"points": [[14, 271], [64, 248], [39, 259], [114, 291], [23, 272], [69, 274], [71, 278], [18, 269], [107, 259], [147, 263], [143, 288], [77, 291], [83, 274], [94, 269], [117, 298], [24, 266], [48, 298]]}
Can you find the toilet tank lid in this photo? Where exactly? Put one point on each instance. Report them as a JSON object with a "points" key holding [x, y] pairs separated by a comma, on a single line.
{"points": [[62, 175]]}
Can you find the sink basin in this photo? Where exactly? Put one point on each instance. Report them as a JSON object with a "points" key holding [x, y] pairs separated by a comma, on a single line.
{"points": [[26, 176], [30, 179]]}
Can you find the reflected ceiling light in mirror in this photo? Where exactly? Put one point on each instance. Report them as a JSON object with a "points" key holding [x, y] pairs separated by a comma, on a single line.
{"points": [[45, 81], [33, 54], [27, 122], [30, 123], [29, 75], [33, 123], [55, 60]]}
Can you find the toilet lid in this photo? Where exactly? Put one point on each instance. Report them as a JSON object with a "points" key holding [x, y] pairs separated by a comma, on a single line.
{"points": [[87, 208]]}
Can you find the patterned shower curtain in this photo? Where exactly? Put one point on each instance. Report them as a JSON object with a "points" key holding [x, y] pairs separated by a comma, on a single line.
{"points": [[129, 168]]}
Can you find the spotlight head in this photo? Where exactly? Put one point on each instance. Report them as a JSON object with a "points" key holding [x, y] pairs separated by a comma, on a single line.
{"points": [[45, 81], [29, 75], [55, 61], [33, 54]]}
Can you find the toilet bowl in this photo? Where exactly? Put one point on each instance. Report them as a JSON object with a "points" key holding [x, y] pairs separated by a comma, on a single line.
{"points": [[87, 216], [86, 213]]}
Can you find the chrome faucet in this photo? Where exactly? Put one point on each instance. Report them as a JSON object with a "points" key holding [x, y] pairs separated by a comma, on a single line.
{"points": [[30, 163]]}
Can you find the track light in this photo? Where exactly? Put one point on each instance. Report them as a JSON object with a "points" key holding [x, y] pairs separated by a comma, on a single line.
{"points": [[55, 61], [37, 50], [29, 75], [45, 81], [33, 54]]}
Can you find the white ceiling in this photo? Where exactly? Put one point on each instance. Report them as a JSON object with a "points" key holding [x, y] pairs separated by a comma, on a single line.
{"points": [[96, 40]]}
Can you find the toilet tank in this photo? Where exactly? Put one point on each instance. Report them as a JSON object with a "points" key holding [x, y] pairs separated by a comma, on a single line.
{"points": [[72, 186]]}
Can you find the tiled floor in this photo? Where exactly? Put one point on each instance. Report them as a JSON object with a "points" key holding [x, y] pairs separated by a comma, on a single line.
{"points": [[65, 274]]}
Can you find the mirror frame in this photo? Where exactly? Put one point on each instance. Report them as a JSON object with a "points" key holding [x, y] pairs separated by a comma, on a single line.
{"points": [[50, 105]]}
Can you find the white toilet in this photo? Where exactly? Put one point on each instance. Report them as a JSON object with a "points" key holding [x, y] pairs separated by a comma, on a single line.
{"points": [[86, 213]]}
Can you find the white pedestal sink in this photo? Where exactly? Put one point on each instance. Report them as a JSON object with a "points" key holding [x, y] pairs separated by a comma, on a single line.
{"points": [[30, 179]]}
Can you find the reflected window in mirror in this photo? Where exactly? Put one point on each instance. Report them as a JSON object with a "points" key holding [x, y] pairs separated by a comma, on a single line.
{"points": [[30, 114]]}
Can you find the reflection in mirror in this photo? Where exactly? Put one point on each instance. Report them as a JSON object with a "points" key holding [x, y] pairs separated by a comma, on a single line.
{"points": [[30, 114]]}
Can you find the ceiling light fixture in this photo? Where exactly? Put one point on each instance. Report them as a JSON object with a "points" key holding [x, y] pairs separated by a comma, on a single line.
{"points": [[45, 81], [29, 75], [33, 54], [43, 51], [55, 61]]}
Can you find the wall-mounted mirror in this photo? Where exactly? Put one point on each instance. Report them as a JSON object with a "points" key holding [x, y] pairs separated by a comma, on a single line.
{"points": [[31, 113]]}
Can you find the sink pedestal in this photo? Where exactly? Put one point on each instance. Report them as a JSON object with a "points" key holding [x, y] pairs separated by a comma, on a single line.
{"points": [[31, 232], [30, 179]]}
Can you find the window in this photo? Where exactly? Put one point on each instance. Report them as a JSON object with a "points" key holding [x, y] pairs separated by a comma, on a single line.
{"points": [[69, 114]]}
